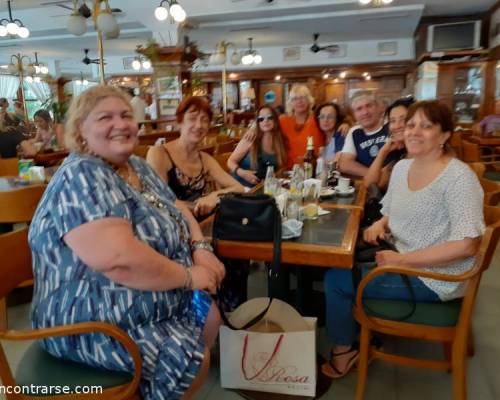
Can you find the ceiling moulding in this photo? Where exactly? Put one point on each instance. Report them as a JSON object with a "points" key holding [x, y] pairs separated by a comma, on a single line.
{"points": [[372, 13]]}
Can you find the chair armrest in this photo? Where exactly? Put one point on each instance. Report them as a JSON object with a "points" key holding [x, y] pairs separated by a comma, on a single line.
{"points": [[492, 198], [409, 272], [87, 327]]}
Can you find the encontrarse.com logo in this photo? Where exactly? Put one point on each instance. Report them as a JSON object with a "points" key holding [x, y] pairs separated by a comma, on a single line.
{"points": [[49, 390]]}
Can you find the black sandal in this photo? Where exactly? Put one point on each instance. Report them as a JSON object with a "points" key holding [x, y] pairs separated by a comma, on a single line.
{"points": [[349, 366]]}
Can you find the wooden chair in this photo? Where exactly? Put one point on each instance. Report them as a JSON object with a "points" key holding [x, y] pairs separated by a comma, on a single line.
{"points": [[37, 367], [17, 206], [471, 152], [447, 322], [9, 166], [456, 143], [141, 150], [224, 147], [478, 168], [489, 188], [222, 160], [493, 199]]}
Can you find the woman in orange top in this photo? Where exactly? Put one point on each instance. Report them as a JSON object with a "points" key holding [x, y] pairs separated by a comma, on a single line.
{"points": [[299, 124]]}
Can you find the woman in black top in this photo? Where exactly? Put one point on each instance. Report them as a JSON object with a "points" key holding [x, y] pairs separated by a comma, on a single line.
{"points": [[188, 171], [394, 149]]}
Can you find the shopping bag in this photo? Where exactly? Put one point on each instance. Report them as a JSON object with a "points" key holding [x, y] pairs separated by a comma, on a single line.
{"points": [[274, 356]]}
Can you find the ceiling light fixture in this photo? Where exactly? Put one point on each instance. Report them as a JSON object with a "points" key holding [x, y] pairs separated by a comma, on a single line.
{"points": [[251, 56], [141, 62], [220, 55], [171, 7], [343, 74], [277, 77], [13, 27], [376, 3], [82, 81]]}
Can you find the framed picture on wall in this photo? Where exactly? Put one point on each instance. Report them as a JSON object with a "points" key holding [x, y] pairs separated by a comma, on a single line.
{"points": [[169, 87], [168, 106]]}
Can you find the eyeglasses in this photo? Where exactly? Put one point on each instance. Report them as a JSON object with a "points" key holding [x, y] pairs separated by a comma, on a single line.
{"points": [[266, 118], [298, 98], [327, 117]]}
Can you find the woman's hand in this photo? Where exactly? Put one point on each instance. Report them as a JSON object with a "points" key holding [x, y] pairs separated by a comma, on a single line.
{"points": [[206, 204], [248, 175], [375, 232], [388, 257], [203, 278], [208, 259], [344, 128], [391, 145], [250, 134]]}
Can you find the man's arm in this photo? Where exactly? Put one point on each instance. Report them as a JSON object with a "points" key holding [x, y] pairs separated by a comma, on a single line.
{"points": [[349, 165]]}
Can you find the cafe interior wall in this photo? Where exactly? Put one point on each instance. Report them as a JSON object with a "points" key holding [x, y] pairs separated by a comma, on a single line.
{"points": [[357, 52]]}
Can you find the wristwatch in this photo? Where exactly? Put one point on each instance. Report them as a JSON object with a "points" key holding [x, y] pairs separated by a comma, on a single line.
{"points": [[203, 244]]}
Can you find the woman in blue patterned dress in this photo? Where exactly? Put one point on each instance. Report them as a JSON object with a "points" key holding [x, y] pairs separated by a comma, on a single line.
{"points": [[110, 243]]}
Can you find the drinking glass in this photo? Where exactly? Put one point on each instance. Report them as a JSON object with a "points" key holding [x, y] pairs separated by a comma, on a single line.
{"points": [[311, 202]]}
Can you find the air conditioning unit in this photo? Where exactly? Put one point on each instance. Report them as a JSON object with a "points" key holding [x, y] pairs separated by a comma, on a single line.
{"points": [[454, 36]]}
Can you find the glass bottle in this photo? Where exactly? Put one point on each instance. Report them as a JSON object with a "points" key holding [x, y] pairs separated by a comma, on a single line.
{"points": [[270, 182], [309, 159]]}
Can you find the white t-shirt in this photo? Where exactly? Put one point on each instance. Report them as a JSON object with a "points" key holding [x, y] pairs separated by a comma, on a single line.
{"points": [[349, 141], [449, 208], [139, 108]]}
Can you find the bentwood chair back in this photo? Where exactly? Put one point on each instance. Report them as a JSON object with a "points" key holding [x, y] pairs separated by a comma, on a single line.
{"points": [[40, 369], [17, 206], [225, 147], [222, 160], [447, 322]]}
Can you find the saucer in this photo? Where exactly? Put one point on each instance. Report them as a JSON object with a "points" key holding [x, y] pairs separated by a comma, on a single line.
{"points": [[326, 192], [347, 192]]}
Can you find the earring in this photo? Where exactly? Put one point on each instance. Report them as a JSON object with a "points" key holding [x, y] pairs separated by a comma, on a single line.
{"points": [[442, 145]]}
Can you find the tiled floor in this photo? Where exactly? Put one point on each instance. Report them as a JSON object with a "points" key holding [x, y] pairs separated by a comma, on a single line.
{"points": [[385, 381]]}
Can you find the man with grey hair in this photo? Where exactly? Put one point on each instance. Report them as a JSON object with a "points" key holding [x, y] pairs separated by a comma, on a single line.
{"points": [[363, 141]]}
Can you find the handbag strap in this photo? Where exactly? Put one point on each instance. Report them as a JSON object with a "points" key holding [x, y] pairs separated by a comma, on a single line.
{"points": [[273, 274], [356, 274]]}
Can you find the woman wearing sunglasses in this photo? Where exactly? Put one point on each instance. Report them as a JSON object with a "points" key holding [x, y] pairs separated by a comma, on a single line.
{"points": [[253, 155]]}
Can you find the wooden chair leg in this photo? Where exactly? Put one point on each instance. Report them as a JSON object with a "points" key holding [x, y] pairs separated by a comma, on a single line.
{"points": [[200, 378], [471, 351], [459, 370], [3, 315], [364, 354]]}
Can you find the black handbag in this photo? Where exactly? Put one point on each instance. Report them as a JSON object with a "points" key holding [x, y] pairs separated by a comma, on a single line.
{"points": [[365, 255], [249, 217]]}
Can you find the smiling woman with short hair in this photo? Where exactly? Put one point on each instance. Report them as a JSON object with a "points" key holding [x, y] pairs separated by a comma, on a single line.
{"points": [[110, 243]]}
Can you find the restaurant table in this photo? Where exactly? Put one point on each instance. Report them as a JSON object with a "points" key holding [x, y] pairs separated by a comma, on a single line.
{"points": [[12, 183], [328, 241]]}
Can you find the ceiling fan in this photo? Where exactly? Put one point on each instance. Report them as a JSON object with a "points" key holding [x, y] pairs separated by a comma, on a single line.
{"points": [[87, 61], [316, 48], [83, 9]]}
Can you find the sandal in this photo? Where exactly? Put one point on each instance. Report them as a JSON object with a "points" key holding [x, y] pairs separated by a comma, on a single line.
{"points": [[330, 370]]}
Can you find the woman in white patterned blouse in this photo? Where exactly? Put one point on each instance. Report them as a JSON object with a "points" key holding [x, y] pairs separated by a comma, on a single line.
{"points": [[433, 212]]}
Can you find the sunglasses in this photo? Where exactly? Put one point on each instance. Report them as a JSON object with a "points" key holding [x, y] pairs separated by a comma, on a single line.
{"points": [[267, 118]]}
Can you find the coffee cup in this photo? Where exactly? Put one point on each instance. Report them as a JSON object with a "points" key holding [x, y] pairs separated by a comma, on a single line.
{"points": [[343, 184]]}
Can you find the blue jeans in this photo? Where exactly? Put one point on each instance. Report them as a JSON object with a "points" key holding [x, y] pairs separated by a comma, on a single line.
{"points": [[340, 298]]}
